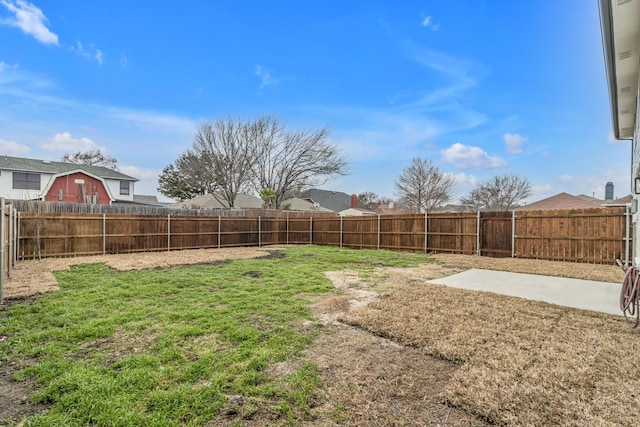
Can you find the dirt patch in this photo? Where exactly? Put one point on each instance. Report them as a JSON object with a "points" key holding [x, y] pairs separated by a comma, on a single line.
{"points": [[371, 380], [36, 277], [376, 381], [14, 397]]}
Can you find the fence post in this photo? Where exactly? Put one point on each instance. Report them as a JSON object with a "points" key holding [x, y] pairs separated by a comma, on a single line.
{"points": [[478, 251], [259, 230], [104, 234], [426, 231], [18, 236], [378, 231], [2, 238], [513, 233], [168, 232], [15, 237], [219, 226], [16, 219], [311, 230], [10, 242], [340, 230]]}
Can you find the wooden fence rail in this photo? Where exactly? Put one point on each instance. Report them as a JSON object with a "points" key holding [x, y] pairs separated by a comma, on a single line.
{"points": [[593, 236]]}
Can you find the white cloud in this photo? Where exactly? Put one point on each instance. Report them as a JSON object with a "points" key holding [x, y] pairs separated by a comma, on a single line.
{"points": [[565, 179], [265, 77], [91, 52], [467, 157], [428, 23], [150, 120], [462, 75], [541, 191], [148, 184], [465, 180], [65, 142], [13, 148], [99, 56], [29, 19], [514, 143], [123, 61], [542, 188]]}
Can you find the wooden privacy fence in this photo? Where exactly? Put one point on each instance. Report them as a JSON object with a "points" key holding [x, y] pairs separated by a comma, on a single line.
{"points": [[9, 242], [595, 236]]}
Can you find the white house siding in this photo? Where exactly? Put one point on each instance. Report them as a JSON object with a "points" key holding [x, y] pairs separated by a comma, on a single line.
{"points": [[7, 191], [114, 188], [635, 172]]}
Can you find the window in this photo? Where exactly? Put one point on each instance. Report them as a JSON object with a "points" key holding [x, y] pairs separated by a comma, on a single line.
{"points": [[125, 187], [26, 181]]}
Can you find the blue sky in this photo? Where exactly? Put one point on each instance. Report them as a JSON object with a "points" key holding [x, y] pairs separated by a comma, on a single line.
{"points": [[479, 87]]}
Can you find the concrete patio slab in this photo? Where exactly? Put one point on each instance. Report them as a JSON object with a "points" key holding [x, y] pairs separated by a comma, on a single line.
{"points": [[576, 293]]}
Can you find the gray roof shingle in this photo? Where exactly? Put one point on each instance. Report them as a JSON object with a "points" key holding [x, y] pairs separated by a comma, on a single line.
{"points": [[47, 166], [334, 200]]}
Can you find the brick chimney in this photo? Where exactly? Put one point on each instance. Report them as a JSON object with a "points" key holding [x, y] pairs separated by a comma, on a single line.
{"points": [[354, 201]]}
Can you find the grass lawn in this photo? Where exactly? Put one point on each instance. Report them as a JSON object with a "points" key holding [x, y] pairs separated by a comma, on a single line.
{"points": [[183, 346]]}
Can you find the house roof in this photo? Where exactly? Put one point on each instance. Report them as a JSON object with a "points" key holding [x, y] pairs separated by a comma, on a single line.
{"points": [[621, 201], [453, 208], [50, 167], [620, 39], [208, 201], [385, 209], [298, 204], [588, 198], [147, 200], [567, 201], [333, 200], [356, 212]]}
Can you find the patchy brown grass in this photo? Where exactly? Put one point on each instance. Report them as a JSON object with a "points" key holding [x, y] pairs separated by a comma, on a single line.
{"points": [[598, 272], [35, 276], [522, 362]]}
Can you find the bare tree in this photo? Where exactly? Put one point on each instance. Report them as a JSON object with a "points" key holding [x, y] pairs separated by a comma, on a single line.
{"points": [[500, 193], [91, 158], [236, 156], [290, 161], [369, 199], [422, 187], [34, 223], [228, 152]]}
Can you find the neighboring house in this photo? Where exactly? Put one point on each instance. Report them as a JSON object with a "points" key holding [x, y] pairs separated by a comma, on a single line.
{"points": [[356, 212], [31, 179], [618, 202], [209, 201], [390, 208], [304, 205], [568, 201], [451, 208], [147, 201], [332, 200]]}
